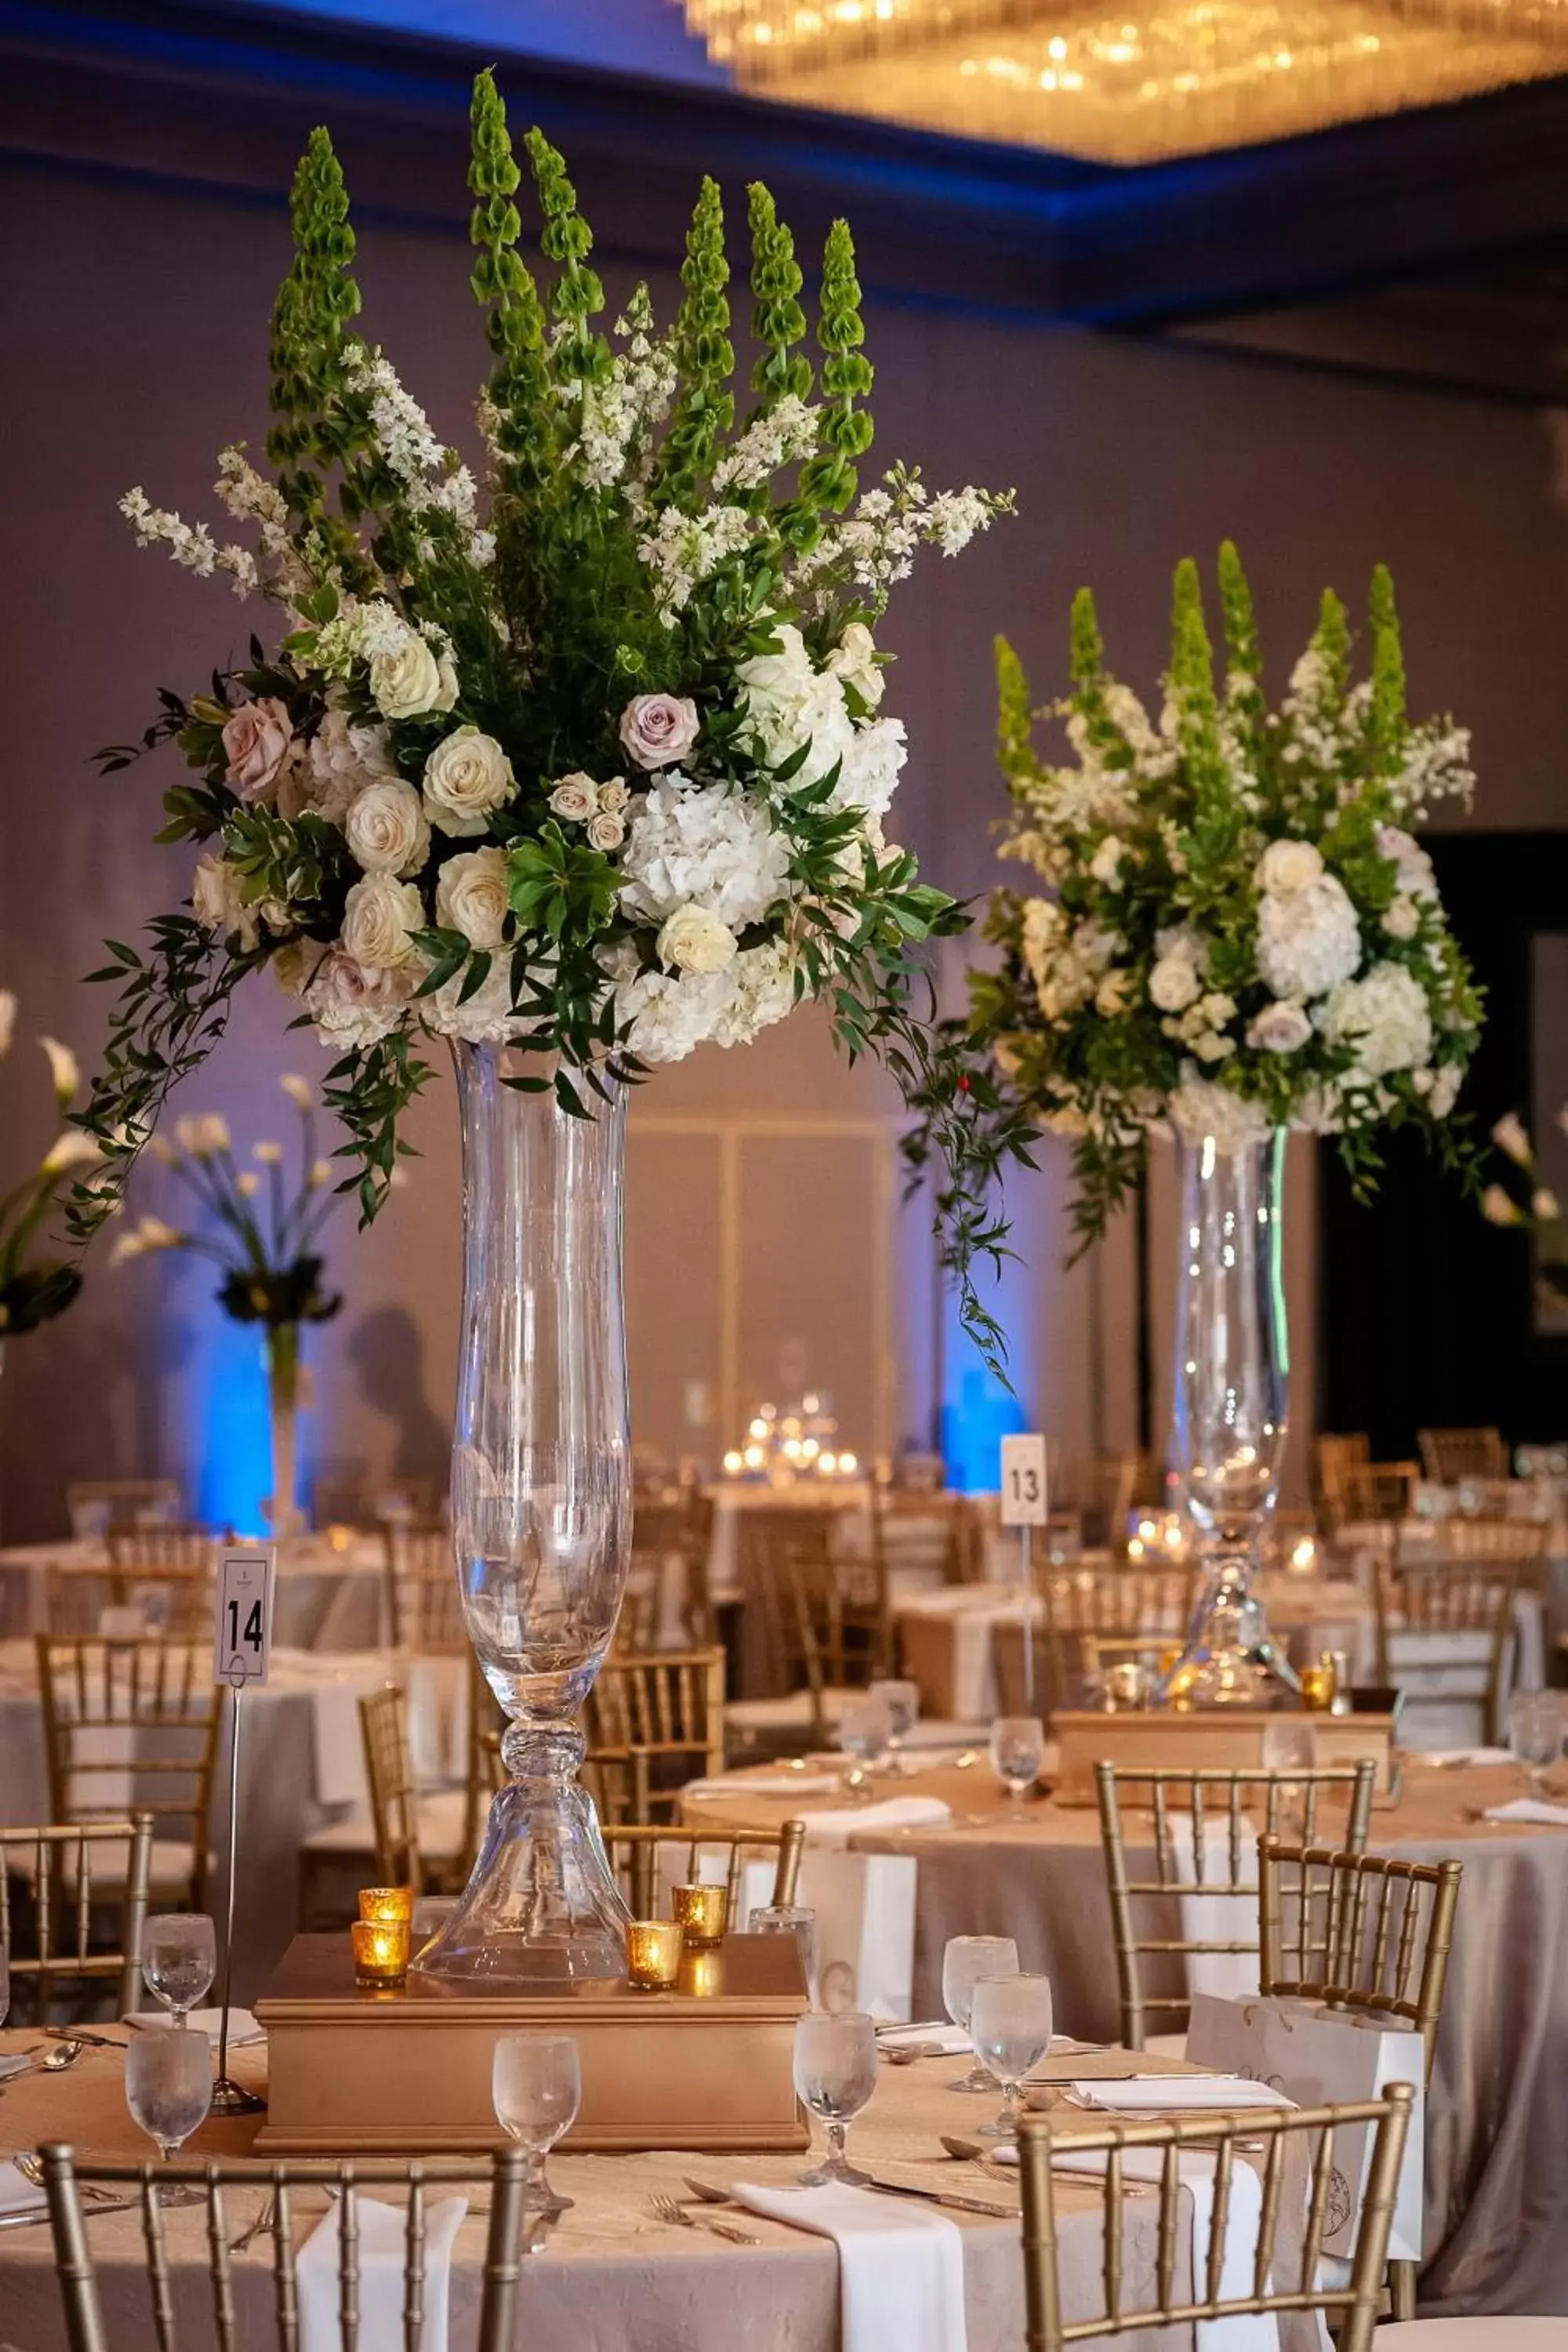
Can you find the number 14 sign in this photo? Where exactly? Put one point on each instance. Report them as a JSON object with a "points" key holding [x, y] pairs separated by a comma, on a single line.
{"points": [[243, 1633]]}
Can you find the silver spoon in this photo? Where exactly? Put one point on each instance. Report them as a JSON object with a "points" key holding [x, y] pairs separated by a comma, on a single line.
{"points": [[63, 2054]]}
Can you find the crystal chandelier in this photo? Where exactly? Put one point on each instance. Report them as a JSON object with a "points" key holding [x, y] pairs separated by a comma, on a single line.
{"points": [[1146, 79]]}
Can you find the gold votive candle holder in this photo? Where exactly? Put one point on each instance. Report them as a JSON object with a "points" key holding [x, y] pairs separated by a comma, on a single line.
{"points": [[653, 1954], [702, 1972], [387, 1905], [381, 1952], [1318, 1688], [703, 1913]]}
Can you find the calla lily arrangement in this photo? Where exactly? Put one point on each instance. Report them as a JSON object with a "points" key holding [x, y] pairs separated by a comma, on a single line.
{"points": [[34, 1290], [1539, 1213]]}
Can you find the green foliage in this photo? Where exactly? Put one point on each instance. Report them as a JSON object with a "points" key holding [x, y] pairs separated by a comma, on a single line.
{"points": [[566, 239], [705, 406], [514, 325], [559, 887], [827, 480], [369, 1089], [312, 429], [1015, 719], [1388, 718], [778, 323]]}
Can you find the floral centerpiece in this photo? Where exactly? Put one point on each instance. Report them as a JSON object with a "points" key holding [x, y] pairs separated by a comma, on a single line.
{"points": [[34, 1290], [266, 1237], [576, 770], [1233, 931]]}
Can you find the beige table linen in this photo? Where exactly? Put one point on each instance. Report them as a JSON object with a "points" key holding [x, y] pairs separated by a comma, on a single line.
{"points": [[1496, 2157], [610, 2275]]}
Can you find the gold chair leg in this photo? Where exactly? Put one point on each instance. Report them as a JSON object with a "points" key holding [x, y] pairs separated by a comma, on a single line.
{"points": [[1402, 2290]]}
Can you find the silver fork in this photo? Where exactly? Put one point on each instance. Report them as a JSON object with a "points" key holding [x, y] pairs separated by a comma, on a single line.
{"points": [[667, 2210], [264, 2221]]}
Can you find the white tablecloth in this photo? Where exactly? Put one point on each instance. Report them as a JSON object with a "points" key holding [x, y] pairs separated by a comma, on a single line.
{"points": [[327, 1599]]}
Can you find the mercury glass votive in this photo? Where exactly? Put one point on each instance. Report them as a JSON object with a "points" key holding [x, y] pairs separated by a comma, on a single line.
{"points": [[387, 1905], [702, 1912], [381, 1952], [653, 1954]]}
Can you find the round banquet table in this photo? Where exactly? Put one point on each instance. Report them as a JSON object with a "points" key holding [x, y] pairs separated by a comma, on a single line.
{"points": [[327, 1599], [609, 2273], [1497, 2123]]}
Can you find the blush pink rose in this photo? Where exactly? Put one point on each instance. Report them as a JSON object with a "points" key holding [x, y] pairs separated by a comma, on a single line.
{"points": [[258, 740], [658, 729]]}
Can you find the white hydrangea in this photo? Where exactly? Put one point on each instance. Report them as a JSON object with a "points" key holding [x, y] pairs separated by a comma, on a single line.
{"points": [[342, 759], [487, 1018], [789, 703], [672, 1013], [1201, 1108], [1307, 940], [1386, 1016], [868, 776], [704, 846]]}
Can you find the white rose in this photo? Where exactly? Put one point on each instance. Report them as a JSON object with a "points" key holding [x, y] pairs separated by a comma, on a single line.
{"points": [[659, 729], [614, 796], [606, 832], [386, 830], [378, 916], [217, 900], [854, 660], [352, 1005], [1174, 983], [1308, 937], [258, 742], [1280, 1028], [467, 775], [408, 682], [471, 897], [789, 704], [691, 940], [1402, 919], [575, 798], [1287, 866], [1106, 864]]}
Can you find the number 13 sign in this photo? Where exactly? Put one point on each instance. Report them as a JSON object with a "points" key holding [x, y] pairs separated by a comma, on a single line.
{"points": [[242, 1647], [1023, 1481]]}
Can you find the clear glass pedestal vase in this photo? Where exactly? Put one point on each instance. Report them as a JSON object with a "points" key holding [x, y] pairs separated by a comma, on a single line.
{"points": [[1229, 1400], [541, 1510]]}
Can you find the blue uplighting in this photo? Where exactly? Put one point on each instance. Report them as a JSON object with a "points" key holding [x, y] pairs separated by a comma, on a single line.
{"points": [[227, 1385]]}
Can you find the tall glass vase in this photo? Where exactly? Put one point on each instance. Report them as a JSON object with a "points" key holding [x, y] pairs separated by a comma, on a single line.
{"points": [[1230, 1395], [281, 1354], [541, 1510]]}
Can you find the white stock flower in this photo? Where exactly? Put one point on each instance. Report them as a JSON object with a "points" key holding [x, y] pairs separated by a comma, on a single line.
{"points": [[378, 916], [217, 903], [1308, 937], [74, 1148], [710, 846], [471, 897], [65, 1076], [1386, 1017], [853, 659], [1280, 1028], [353, 1004], [789, 704], [659, 729], [691, 940], [298, 1089], [1200, 1107], [1287, 866], [1416, 877], [1509, 1136], [1402, 921], [870, 774], [8, 1017], [387, 829], [409, 678], [1498, 1209], [467, 777]]}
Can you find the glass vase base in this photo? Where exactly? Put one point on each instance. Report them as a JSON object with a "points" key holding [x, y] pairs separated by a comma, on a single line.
{"points": [[1230, 1658], [542, 1906]]}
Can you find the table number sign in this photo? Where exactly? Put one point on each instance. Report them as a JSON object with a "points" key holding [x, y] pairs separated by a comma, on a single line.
{"points": [[1024, 1486], [242, 1631]]}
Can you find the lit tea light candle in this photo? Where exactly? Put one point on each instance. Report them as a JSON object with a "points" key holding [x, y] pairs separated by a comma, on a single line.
{"points": [[381, 1952], [1304, 1556], [701, 1911], [387, 1905], [653, 1954]]}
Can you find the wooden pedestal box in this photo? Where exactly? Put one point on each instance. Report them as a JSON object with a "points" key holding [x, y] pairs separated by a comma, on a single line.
{"points": [[1168, 1740]]}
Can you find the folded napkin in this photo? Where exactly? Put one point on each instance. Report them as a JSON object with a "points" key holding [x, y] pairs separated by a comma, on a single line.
{"points": [[763, 1784], [1170, 2093], [383, 2245], [835, 1826], [901, 2268], [952, 2038], [1457, 1756], [243, 2030], [1530, 1809], [17, 2195], [1248, 2331], [17, 2062]]}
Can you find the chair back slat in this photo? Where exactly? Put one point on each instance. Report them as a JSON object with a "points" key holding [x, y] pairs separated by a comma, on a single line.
{"points": [[394, 1792], [635, 1847], [160, 1699], [667, 1708], [1332, 1956], [67, 1868]]}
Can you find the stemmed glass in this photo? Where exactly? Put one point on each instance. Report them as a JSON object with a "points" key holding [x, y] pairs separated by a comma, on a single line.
{"points": [[835, 2076], [966, 1959], [790, 1919], [1017, 1752], [902, 1701], [1290, 1745], [1534, 1735], [536, 2089], [179, 1955], [1010, 2026], [864, 1731], [169, 2089]]}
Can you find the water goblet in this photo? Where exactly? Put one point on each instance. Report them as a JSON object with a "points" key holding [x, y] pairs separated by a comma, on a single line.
{"points": [[1010, 2026], [1017, 1752], [169, 2090], [964, 1962], [902, 1701], [179, 1955], [536, 2089], [835, 2076], [1534, 1735], [863, 1733], [795, 1919]]}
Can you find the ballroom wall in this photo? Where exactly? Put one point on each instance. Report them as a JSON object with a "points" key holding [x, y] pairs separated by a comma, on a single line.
{"points": [[765, 1235]]}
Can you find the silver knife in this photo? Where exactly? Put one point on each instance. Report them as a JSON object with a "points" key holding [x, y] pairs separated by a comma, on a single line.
{"points": [[998, 2213], [90, 2213]]}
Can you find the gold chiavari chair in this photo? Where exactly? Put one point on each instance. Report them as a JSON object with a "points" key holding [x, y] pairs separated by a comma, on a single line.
{"points": [[766, 1539], [222, 2328], [1367, 1932], [1450, 1456], [636, 1621], [150, 1550], [635, 1847], [1332, 1456], [425, 1608], [144, 1713], [76, 1594], [174, 1602], [1440, 1602], [1093, 1618], [843, 1640], [669, 1706], [417, 1843], [1283, 2274], [674, 1528], [95, 1505], [913, 1531], [1099, 1488], [51, 1878], [1212, 1854], [1376, 1493], [1494, 1543]]}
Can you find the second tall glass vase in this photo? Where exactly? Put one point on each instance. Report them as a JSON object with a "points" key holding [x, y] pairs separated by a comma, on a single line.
{"points": [[1230, 1403], [541, 1510]]}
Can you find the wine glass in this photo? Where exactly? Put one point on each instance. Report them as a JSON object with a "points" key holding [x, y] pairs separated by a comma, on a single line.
{"points": [[835, 2076], [864, 1731], [1017, 1752], [536, 2089], [1010, 2026], [902, 1701], [790, 1919], [965, 1960], [169, 2089], [179, 1955], [1534, 1735]]}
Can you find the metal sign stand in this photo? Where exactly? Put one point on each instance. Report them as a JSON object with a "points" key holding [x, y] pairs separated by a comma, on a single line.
{"points": [[242, 1651], [231, 2098]]}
